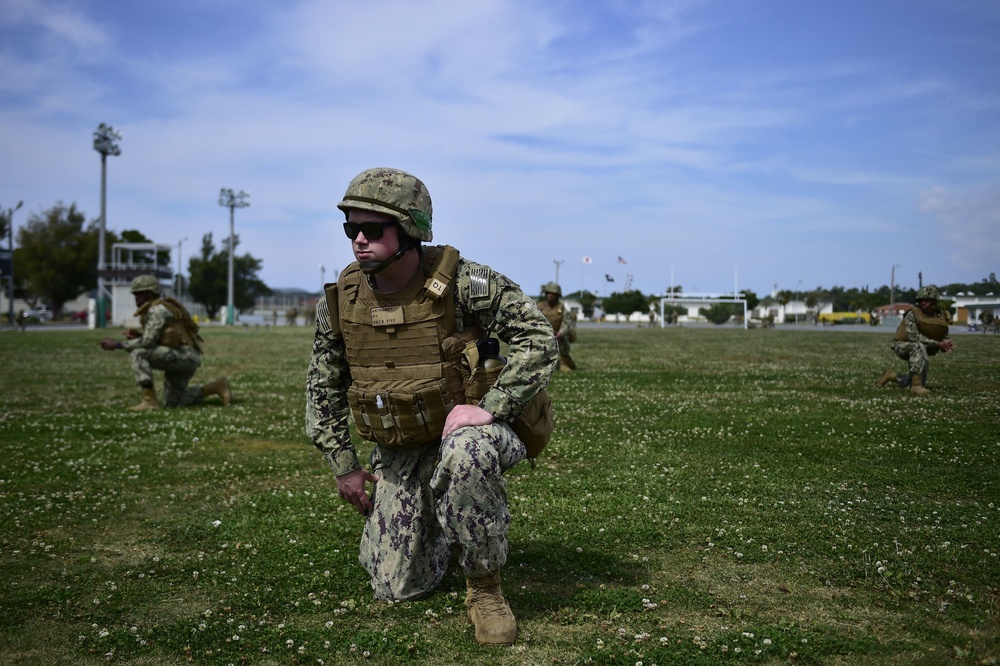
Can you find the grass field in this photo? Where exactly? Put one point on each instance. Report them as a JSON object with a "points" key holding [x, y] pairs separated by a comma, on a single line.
{"points": [[711, 496]]}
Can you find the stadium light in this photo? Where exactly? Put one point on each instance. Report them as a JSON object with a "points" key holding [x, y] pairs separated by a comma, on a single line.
{"points": [[106, 140], [232, 201]]}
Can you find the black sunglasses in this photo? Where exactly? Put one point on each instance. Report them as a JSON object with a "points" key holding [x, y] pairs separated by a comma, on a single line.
{"points": [[371, 230]]}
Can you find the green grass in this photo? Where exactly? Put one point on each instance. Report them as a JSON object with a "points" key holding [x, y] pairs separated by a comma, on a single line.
{"points": [[711, 496]]}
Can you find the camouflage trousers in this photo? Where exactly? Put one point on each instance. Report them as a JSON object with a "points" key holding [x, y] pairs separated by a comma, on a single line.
{"points": [[564, 346], [915, 354], [178, 366], [434, 499]]}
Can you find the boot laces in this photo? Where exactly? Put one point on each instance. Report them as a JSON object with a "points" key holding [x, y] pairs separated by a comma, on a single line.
{"points": [[489, 603]]}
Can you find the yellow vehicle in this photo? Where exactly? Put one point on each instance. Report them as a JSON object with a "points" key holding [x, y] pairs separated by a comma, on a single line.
{"points": [[834, 318]]}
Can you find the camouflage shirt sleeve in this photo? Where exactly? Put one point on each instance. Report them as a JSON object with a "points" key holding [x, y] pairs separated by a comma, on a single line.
{"points": [[156, 319], [327, 410], [498, 305]]}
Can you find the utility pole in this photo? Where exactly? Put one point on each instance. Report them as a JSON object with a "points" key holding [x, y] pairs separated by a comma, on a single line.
{"points": [[892, 284], [558, 263], [10, 240]]}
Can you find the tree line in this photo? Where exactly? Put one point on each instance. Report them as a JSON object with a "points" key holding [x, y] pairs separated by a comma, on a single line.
{"points": [[55, 261]]}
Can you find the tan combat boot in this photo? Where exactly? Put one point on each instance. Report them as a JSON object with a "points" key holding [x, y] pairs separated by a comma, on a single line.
{"points": [[567, 363], [489, 612], [887, 376], [149, 400], [219, 387], [917, 386]]}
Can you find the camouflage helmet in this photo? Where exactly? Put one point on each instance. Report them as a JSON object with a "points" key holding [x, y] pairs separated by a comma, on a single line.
{"points": [[552, 288], [394, 193], [927, 293], [145, 283]]}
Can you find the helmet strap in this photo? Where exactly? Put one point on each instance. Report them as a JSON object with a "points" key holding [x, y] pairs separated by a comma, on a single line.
{"points": [[406, 243]]}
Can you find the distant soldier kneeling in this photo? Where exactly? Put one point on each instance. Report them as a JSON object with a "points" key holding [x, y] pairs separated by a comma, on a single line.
{"points": [[922, 333], [168, 341]]}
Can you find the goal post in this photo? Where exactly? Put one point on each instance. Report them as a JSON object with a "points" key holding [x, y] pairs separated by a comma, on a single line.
{"points": [[703, 298]]}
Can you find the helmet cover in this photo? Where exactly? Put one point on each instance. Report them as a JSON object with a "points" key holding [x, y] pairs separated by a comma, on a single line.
{"points": [[146, 283], [392, 192]]}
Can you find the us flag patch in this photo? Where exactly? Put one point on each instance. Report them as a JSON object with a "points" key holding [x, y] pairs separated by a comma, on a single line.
{"points": [[479, 281]]}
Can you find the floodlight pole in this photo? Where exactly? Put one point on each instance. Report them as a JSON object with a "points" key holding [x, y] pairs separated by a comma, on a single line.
{"points": [[106, 143], [558, 263], [10, 242], [232, 201]]}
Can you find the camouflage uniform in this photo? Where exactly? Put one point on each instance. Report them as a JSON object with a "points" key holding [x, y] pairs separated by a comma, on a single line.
{"points": [[915, 350], [561, 322], [441, 495], [178, 363]]}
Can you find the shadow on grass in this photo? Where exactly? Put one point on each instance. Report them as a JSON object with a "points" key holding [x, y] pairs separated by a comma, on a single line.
{"points": [[546, 579]]}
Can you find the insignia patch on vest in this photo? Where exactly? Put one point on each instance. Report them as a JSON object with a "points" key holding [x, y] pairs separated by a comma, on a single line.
{"points": [[323, 317], [479, 281], [392, 316]]}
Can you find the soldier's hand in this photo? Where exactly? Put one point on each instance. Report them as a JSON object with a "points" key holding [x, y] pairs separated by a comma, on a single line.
{"points": [[465, 415], [351, 487], [108, 344], [946, 345], [131, 334]]}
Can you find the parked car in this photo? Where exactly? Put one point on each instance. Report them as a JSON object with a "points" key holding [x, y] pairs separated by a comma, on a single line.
{"points": [[41, 313]]}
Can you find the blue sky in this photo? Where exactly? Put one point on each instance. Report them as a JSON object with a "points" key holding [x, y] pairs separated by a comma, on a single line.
{"points": [[755, 144]]}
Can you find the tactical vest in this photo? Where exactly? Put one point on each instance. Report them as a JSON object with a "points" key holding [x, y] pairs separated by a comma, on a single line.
{"points": [[179, 331], [403, 350], [934, 327], [553, 314]]}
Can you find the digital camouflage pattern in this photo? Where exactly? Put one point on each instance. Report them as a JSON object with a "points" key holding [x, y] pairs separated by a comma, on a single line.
{"points": [[422, 505], [178, 364], [145, 283], [928, 293], [395, 193], [916, 349], [443, 494]]}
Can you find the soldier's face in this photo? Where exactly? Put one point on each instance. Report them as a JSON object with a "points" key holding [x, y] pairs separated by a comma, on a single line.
{"points": [[366, 249], [551, 298], [926, 306], [143, 297]]}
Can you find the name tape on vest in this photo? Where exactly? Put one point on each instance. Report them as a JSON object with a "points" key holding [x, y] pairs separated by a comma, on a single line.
{"points": [[389, 316]]}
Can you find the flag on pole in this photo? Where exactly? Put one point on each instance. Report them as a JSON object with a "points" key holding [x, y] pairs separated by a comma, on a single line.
{"points": [[587, 260], [608, 278], [621, 261]]}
